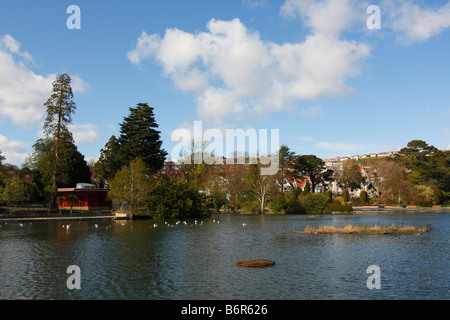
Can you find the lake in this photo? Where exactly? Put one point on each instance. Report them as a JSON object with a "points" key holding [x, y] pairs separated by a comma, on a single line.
{"points": [[133, 259]]}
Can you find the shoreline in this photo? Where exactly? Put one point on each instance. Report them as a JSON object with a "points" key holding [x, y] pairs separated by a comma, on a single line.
{"points": [[117, 216], [122, 216], [388, 210]]}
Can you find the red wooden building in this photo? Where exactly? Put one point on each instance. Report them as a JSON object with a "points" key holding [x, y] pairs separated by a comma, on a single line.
{"points": [[89, 197]]}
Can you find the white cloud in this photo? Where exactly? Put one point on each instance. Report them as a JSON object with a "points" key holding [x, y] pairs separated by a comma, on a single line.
{"points": [[415, 24], [14, 151], [84, 133], [78, 84], [10, 44], [234, 73], [23, 92], [330, 17]]}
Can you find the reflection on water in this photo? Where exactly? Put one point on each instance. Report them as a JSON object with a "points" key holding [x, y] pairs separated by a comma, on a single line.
{"points": [[135, 260]]}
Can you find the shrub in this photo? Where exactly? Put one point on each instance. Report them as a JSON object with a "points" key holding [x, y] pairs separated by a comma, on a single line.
{"points": [[288, 203], [307, 189], [337, 207], [329, 194], [340, 200], [314, 203], [346, 195], [363, 196], [278, 204], [174, 198]]}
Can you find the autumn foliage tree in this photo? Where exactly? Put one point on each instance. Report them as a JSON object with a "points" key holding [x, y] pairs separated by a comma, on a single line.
{"points": [[131, 186]]}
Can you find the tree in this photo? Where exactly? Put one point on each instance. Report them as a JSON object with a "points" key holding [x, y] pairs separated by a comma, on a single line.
{"points": [[175, 198], [218, 196], [312, 167], [131, 186], [314, 203], [60, 107], [71, 166], [363, 196], [13, 193], [345, 195], [260, 186], [329, 194], [307, 188], [286, 159], [350, 177], [418, 150], [428, 165], [234, 176], [1, 158], [72, 200], [108, 163], [139, 138], [50, 192], [392, 183], [56, 155], [60, 202]]}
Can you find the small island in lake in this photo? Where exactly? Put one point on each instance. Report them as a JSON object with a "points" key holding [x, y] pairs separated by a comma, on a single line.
{"points": [[351, 229]]}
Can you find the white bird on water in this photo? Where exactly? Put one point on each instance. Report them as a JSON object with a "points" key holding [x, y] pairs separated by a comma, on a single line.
{"points": [[20, 224], [96, 226]]}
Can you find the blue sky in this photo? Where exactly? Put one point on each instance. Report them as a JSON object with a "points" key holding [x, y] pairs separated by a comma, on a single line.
{"points": [[311, 69]]}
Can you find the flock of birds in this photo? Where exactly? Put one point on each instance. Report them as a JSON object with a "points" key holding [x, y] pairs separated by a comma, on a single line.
{"points": [[154, 225]]}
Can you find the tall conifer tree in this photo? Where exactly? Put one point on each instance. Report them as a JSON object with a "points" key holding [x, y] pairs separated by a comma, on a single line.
{"points": [[60, 107]]}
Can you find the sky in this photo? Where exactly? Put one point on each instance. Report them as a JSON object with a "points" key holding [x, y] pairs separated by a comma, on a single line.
{"points": [[323, 73]]}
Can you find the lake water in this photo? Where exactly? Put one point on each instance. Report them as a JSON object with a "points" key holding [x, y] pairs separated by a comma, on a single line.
{"points": [[198, 261]]}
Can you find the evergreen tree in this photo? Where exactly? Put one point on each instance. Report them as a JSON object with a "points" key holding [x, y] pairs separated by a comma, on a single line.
{"points": [[138, 138], [71, 166], [346, 195], [60, 107], [363, 196], [312, 167], [108, 163], [307, 188]]}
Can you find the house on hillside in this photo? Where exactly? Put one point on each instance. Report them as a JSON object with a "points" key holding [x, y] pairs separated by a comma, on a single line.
{"points": [[293, 182]]}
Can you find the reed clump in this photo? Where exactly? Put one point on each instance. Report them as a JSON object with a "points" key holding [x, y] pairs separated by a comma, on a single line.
{"points": [[352, 229]]}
